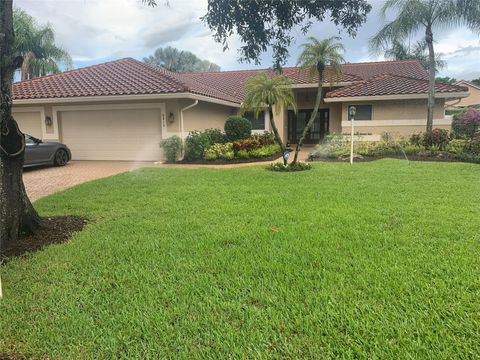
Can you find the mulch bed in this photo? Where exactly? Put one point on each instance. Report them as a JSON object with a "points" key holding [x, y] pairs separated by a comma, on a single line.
{"points": [[233, 161], [57, 230]]}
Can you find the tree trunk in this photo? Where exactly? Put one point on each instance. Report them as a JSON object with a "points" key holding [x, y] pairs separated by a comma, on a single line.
{"points": [[16, 211], [431, 78], [278, 139], [309, 125], [25, 69]]}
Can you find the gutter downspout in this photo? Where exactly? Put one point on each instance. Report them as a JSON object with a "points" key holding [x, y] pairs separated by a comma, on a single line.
{"points": [[195, 103]]}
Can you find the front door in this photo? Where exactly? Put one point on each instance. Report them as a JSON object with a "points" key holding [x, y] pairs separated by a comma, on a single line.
{"points": [[297, 122]]}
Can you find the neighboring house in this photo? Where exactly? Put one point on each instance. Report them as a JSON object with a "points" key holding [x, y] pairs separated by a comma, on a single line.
{"points": [[473, 100], [120, 110]]}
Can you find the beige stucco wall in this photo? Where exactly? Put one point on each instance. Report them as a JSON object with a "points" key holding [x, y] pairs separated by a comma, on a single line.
{"points": [[205, 115], [396, 117], [29, 122], [472, 99]]}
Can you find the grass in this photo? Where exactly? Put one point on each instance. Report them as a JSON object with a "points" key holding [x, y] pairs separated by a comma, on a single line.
{"points": [[374, 260]]}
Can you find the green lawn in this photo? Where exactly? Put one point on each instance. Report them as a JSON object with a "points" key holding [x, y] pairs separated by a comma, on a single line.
{"points": [[374, 260]]}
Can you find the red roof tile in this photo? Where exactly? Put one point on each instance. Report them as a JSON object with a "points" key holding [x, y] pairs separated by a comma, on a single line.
{"points": [[121, 77], [392, 85], [130, 77]]}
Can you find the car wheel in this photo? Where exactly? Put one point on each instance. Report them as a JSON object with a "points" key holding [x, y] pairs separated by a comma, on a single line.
{"points": [[61, 157]]}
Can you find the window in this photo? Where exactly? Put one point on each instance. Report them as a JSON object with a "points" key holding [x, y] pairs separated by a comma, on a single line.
{"points": [[364, 112], [29, 140], [257, 124]]}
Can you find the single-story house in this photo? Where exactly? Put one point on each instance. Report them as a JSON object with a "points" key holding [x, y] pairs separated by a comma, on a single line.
{"points": [[473, 100], [121, 110]]}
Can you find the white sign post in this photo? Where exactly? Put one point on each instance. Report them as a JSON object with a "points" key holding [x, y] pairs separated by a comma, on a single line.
{"points": [[352, 112]]}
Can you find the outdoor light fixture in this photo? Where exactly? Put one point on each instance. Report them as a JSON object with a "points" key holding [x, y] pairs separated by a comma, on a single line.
{"points": [[352, 111], [171, 118], [48, 121]]}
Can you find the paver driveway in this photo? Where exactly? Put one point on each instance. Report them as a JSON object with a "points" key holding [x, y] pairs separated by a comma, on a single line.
{"points": [[41, 182]]}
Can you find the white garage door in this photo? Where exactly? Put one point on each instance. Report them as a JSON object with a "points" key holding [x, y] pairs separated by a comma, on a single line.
{"points": [[29, 123], [127, 134]]}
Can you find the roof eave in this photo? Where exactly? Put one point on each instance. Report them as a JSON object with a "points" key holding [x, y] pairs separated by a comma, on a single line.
{"points": [[114, 98], [453, 95]]}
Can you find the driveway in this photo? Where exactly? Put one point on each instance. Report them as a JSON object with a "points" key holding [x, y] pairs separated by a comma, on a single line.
{"points": [[40, 182]]}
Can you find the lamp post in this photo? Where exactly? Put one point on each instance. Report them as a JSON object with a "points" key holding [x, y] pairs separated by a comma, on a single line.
{"points": [[352, 111]]}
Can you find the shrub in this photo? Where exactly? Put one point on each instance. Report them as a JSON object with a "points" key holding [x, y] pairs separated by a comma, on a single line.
{"points": [[237, 128], [267, 138], [216, 136], [473, 145], [197, 142], [456, 146], [416, 139], [243, 154], [437, 138], [172, 147], [265, 151], [219, 151], [466, 123], [195, 145], [299, 166], [246, 144]]}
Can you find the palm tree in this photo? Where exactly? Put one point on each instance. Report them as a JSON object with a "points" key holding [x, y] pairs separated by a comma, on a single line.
{"points": [[267, 92], [36, 44], [323, 57], [400, 51], [426, 15]]}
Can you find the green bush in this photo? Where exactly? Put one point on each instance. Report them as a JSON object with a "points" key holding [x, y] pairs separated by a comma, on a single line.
{"points": [[468, 158], [473, 146], [299, 166], [456, 146], [219, 151], [243, 154], [195, 145], [237, 128], [172, 147], [216, 136], [210, 155], [416, 139], [197, 142], [265, 151]]}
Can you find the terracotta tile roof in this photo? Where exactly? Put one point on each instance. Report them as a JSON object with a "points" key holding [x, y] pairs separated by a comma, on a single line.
{"points": [[121, 77], [392, 85], [131, 77]]}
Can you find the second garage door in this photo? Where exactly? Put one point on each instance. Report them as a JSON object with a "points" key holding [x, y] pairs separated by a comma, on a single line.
{"points": [[127, 134]]}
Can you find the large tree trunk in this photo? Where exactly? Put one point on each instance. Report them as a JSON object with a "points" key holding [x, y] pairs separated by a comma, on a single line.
{"points": [[431, 79], [16, 211], [278, 139], [309, 125]]}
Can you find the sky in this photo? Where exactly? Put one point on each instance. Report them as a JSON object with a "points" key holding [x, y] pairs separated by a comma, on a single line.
{"points": [[94, 31]]}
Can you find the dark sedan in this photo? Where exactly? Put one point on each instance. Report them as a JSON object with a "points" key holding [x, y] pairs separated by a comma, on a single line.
{"points": [[38, 152]]}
